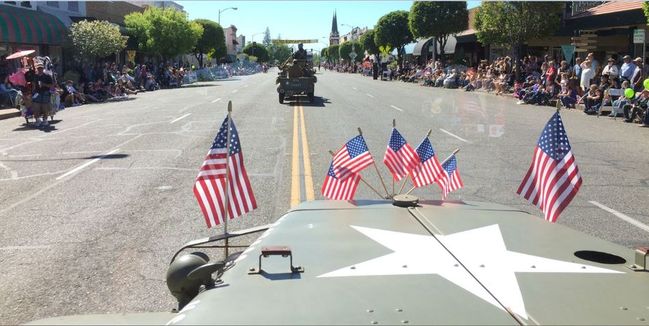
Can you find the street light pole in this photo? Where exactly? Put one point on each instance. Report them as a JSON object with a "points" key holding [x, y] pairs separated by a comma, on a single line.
{"points": [[222, 10]]}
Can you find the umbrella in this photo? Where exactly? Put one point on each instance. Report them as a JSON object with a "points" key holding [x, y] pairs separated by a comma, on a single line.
{"points": [[20, 54]]}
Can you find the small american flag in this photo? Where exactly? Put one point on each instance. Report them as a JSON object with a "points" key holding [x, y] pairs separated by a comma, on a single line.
{"points": [[429, 170], [209, 188], [336, 189], [399, 157], [553, 178], [352, 158], [452, 180]]}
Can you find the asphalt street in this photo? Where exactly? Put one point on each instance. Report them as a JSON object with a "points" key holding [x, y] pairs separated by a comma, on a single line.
{"points": [[93, 209]]}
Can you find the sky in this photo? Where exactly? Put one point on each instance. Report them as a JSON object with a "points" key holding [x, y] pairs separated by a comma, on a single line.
{"points": [[295, 19]]}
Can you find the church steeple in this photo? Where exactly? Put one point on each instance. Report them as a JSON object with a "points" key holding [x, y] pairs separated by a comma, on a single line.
{"points": [[334, 37]]}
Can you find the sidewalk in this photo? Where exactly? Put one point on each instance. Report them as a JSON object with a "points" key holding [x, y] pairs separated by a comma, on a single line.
{"points": [[6, 113]]}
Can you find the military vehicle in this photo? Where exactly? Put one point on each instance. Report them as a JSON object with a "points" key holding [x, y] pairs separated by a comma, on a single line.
{"points": [[404, 262], [296, 77]]}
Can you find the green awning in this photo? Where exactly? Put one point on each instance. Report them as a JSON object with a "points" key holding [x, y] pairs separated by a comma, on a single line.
{"points": [[26, 26]]}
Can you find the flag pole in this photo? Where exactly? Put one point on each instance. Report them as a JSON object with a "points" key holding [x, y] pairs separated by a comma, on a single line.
{"points": [[365, 182], [448, 158], [227, 180], [409, 172], [376, 168], [394, 125]]}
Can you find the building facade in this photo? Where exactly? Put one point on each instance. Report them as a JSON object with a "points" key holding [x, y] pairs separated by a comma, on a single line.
{"points": [[353, 35], [231, 43]]}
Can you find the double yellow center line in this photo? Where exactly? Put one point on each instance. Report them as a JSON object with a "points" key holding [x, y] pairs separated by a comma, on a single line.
{"points": [[299, 127]]}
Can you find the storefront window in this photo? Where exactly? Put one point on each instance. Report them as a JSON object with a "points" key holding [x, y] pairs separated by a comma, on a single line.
{"points": [[54, 4], [73, 6]]}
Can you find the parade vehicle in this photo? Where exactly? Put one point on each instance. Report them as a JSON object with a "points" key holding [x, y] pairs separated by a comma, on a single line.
{"points": [[404, 261], [296, 77]]}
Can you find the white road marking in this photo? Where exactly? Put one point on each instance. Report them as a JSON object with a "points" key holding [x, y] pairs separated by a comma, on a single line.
{"points": [[82, 166], [623, 217], [396, 108], [165, 188], [454, 135], [370, 95], [218, 99], [180, 118], [354, 88], [235, 90]]}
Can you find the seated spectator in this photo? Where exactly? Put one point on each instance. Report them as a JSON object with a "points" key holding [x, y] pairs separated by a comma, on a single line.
{"points": [[451, 80], [71, 96], [568, 98], [6, 89], [593, 100], [637, 109], [619, 102]]}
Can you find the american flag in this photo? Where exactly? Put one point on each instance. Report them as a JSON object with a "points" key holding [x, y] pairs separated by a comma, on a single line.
{"points": [[429, 170], [553, 178], [353, 157], [399, 157], [336, 189], [209, 187], [452, 180]]}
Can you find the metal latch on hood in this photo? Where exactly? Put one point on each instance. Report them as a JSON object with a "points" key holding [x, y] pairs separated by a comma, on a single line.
{"points": [[283, 251]]}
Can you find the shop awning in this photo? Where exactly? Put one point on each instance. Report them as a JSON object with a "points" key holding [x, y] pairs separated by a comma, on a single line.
{"points": [[25, 26], [421, 45]]}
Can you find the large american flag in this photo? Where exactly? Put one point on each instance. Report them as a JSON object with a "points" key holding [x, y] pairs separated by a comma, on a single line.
{"points": [[336, 189], [452, 180], [209, 187], [353, 157], [400, 157], [553, 178], [429, 170]]}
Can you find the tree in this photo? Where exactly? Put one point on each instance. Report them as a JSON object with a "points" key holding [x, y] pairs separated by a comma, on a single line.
{"points": [[267, 41], [96, 39], [392, 31], [522, 21], [438, 19], [333, 53], [163, 31], [367, 40], [257, 50], [346, 48], [279, 52], [324, 53], [212, 42]]}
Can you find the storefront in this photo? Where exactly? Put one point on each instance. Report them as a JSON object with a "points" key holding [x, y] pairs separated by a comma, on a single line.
{"points": [[25, 29]]}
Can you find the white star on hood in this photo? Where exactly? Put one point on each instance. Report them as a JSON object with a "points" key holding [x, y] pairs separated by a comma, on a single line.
{"points": [[482, 251]]}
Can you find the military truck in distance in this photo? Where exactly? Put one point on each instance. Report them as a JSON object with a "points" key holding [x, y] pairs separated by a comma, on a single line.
{"points": [[296, 77]]}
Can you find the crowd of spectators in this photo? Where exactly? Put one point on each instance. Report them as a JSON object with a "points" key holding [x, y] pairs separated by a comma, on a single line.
{"points": [[616, 86], [99, 82]]}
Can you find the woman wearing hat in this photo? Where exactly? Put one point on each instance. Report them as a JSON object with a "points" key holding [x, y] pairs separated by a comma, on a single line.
{"points": [[611, 70]]}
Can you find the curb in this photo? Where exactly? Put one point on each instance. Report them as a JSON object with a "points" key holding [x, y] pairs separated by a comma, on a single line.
{"points": [[9, 113]]}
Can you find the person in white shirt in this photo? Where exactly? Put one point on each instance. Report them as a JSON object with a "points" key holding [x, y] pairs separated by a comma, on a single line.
{"points": [[587, 74], [611, 69]]}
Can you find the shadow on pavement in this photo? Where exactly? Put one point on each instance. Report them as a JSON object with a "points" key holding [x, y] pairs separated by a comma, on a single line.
{"points": [[29, 126], [198, 86], [318, 101]]}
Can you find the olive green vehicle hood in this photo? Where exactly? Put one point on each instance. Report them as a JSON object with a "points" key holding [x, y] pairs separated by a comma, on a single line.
{"points": [[369, 262]]}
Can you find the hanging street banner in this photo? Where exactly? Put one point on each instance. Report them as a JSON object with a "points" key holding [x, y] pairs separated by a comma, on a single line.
{"points": [[568, 52], [295, 41]]}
